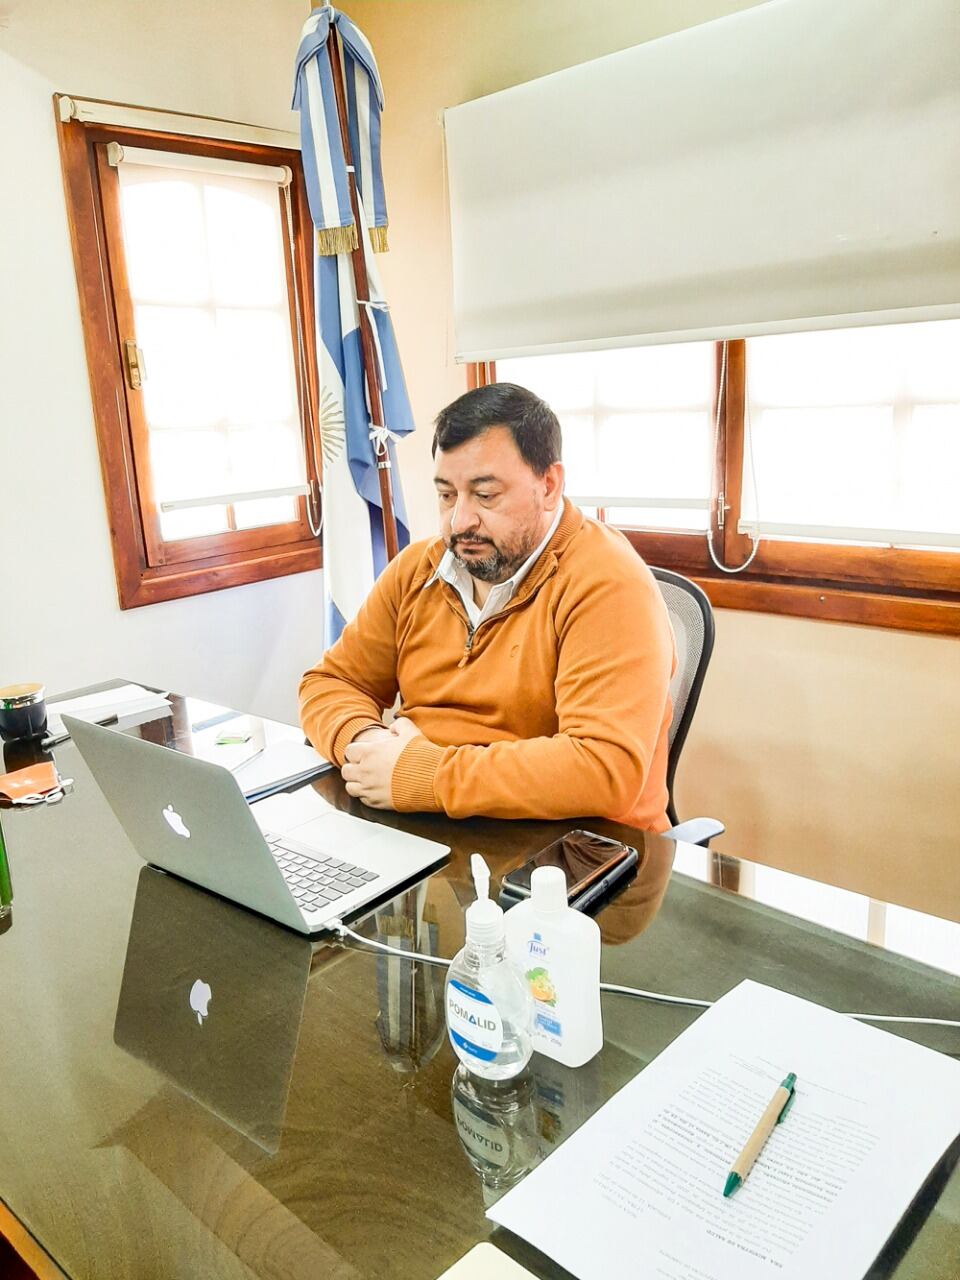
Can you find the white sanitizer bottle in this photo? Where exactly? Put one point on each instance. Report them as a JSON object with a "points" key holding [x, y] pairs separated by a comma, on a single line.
{"points": [[489, 1008], [557, 950]]}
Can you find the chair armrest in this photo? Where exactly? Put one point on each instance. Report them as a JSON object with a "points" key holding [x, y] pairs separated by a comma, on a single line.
{"points": [[696, 831]]}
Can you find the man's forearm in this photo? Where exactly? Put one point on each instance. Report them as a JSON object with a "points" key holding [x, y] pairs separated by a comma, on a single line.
{"points": [[333, 713], [558, 777], [348, 689]]}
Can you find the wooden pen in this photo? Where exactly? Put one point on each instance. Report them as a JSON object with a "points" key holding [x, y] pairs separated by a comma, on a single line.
{"points": [[775, 1112]]}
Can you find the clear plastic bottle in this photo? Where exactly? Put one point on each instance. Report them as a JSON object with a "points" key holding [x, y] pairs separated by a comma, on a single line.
{"points": [[488, 1005]]}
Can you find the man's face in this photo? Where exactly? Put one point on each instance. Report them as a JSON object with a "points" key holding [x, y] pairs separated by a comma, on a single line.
{"points": [[494, 509]]}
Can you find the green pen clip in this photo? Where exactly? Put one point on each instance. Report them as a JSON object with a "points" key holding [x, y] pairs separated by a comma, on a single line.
{"points": [[789, 1083]]}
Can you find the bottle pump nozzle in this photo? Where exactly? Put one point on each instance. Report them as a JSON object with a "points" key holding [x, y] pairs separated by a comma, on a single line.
{"points": [[484, 917], [481, 876]]}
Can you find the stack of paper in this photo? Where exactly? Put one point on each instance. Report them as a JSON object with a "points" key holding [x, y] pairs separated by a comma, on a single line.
{"points": [[263, 755], [130, 703], [638, 1190], [279, 765]]}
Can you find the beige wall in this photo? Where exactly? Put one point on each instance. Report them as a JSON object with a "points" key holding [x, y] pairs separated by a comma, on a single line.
{"points": [[59, 621], [827, 749]]}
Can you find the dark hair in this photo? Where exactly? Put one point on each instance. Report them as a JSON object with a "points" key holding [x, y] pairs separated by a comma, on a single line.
{"points": [[531, 422]]}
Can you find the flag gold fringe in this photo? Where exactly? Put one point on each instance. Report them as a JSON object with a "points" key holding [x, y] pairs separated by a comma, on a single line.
{"points": [[378, 239], [331, 240]]}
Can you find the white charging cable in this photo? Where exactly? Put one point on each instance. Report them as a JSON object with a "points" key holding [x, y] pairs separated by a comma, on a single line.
{"points": [[344, 931], [613, 988]]}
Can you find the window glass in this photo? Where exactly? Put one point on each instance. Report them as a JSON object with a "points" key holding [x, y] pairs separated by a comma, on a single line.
{"points": [[262, 457], [256, 512], [164, 237], [244, 243], [930, 472], [254, 366], [822, 466], [206, 269], [637, 424], [177, 343], [188, 464], [195, 522], [568, 378], [856, 430]]}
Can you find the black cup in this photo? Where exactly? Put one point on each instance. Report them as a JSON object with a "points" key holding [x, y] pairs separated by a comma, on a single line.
{"points": [[23, 712]]}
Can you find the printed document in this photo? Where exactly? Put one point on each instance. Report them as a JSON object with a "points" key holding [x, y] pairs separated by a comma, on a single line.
{"points": [[638, 1190]]}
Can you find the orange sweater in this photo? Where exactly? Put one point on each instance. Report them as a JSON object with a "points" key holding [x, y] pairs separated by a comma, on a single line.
{"points": [[556, 707]]}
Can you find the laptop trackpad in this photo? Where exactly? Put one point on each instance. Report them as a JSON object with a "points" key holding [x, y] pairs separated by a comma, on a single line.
{"points": [[281, 813], [310, 820]]}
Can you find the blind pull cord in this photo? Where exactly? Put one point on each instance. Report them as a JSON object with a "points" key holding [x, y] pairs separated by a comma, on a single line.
{"points": [[755, 536]]}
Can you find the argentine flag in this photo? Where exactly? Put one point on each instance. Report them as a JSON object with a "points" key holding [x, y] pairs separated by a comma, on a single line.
{"points": [[353, 544], [354, 548]]}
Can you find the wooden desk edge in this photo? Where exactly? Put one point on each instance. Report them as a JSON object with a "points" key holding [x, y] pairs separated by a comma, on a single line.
{"points": [[37, 1258]]}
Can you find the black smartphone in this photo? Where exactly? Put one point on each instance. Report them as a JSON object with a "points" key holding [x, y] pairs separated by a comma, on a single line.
{"points": [[592, 864]]}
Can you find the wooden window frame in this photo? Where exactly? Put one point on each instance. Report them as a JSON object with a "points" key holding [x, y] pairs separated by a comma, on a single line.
{"points": [[148, 569], [874, 586]]}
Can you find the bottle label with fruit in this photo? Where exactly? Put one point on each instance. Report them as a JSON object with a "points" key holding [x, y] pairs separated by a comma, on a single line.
{"points": [[544, 993]]}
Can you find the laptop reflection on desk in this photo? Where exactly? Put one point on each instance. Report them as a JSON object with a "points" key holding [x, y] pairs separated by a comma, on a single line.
{"points": [[212, 999]]}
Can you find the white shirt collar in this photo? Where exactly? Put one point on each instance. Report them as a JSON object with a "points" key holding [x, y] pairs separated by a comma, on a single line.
{"points": [[451, 570]]}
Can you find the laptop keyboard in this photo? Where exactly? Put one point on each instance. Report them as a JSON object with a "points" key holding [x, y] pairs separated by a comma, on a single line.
{"points": [[315, 880]]}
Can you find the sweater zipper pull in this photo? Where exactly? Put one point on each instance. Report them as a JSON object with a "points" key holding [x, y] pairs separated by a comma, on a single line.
{"points": [[471, 631]]}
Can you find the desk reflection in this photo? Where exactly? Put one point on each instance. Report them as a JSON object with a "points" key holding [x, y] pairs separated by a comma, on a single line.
{"points": [[410, 1020], [635, 907], [212, 998], [497, 1126], [506, 1127]]}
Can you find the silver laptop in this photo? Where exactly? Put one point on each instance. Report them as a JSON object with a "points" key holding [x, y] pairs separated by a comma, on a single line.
{"points": [[293, 858], [212, 999]]}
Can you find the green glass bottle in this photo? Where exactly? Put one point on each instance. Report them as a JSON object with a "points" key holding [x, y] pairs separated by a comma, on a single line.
{"points": [[6, 886]]}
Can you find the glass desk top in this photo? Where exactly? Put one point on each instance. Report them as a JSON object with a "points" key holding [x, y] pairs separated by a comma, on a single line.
{"points": [[329, 1138]]}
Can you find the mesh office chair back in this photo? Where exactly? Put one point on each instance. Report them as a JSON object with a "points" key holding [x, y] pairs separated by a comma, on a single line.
{"points": [[692, 620]]}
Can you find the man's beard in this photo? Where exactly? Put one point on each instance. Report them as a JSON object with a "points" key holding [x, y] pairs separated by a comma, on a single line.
{"points": [[502, 562]]}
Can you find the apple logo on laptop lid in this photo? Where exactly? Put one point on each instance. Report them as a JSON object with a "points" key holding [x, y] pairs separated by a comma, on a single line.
{"points": [[200, 997], [175, 822]]}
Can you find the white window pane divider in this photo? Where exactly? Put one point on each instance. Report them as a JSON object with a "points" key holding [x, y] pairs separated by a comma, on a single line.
{"points": [[245, 495], [847, 533], [671, 504]]}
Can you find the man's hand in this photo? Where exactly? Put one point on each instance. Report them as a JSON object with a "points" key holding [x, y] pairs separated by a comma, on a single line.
{"points": [[369, 762], [370, 734]]}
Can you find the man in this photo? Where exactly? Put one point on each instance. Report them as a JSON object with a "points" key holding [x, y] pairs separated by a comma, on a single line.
{"points": [[530, 646]]}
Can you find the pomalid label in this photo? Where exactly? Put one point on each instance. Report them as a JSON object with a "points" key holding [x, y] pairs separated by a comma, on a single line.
{"points": [[473, 1022]]}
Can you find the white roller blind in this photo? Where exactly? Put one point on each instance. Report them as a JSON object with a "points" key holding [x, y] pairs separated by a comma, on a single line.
{"points": [[212, 166], [89, 111], [791, 167]]}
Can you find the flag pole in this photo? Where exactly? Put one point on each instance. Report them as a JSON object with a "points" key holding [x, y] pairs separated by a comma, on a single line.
{"points": [[362, 286]]}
